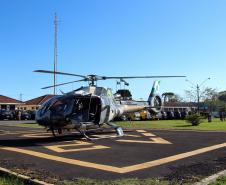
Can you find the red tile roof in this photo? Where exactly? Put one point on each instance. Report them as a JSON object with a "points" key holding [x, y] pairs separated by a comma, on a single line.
{"points": [[8, 100], [39, 100]]}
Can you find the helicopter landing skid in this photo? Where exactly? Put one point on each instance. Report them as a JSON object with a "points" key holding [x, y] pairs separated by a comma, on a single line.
{"points": [[84, 134], [117, 128], [53, 132], [59, 131]]}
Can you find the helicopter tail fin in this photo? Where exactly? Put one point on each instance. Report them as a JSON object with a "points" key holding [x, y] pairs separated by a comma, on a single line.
{"points": [[154, 99]]}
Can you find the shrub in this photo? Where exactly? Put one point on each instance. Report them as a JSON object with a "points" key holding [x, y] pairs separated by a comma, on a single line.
{"points": [[194, 119]]}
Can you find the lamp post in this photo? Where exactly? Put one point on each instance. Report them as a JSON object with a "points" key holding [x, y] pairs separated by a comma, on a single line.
{"points": [[197, 86]]}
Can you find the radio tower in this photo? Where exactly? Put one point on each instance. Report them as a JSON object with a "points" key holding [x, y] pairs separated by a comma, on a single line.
{"points": [[55, 54]]}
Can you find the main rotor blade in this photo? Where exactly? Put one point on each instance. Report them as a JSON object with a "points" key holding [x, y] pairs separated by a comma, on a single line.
{"points": [[133, 77], [59, 73], [63, 84]]}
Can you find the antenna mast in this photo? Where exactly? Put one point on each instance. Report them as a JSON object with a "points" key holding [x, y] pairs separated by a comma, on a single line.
{"points": [[55, 53], [21, 95]]}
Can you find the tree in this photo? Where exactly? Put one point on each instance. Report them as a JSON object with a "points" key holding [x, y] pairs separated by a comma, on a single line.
{"points": [[222, 96], [203, 95], [171, 97], [176, 98], [216, 101], [208, 96]]}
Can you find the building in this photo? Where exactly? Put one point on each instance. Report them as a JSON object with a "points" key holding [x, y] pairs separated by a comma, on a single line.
{"points": [[35, 103], [8, 103], [180, 106]]}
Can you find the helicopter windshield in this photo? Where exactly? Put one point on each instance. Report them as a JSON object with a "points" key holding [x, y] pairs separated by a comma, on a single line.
{"points": [[62, 105]]}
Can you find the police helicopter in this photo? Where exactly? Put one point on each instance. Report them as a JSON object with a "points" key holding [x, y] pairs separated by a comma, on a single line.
{"points": [[89, 107]]}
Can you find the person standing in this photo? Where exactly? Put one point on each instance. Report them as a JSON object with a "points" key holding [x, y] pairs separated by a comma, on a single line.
{"points": [[221, 115], [209, 117], [19, 115]]}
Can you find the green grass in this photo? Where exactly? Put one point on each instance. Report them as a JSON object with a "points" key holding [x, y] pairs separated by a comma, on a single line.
{"points": [[219, 181], [134, 181], [216, 124], [10, 181]]}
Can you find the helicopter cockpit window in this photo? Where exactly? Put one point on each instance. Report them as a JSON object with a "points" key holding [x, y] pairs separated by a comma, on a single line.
{"points": [[62, 106], [46, 105]]}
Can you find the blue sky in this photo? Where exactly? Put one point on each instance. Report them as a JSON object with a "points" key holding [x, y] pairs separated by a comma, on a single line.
{"points": [[112, 37]]}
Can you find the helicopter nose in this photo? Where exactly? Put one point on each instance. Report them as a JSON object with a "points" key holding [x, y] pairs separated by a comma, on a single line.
{"points": [[43, 118]]}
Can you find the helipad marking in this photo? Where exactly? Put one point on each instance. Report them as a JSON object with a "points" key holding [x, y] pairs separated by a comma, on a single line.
{"points": [[6, 132], [149, 134], [38, 135], [114, 169], [141, 131], [130, 135], [61, 148], [156, 140], [153, 139]]}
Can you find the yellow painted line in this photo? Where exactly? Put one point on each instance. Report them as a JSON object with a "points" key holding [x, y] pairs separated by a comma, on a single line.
{"points": [[19, 132], [96, 137], [160, 140], [109, 168], [38, 135], [135, 141], [141, 131], [64, 160], [172, 158], [61, 148], [130, 135], [156, 140], [111, 136], [148, 134]]}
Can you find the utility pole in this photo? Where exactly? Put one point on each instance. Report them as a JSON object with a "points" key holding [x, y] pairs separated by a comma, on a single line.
{"points": [[198, 97], [197, 86], [21, 95], [55, 54]]}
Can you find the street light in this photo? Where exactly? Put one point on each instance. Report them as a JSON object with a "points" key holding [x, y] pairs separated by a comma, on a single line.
{"points": [[197, 86]]}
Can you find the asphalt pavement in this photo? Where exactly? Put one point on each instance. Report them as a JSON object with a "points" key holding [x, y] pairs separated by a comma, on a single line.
{"points": [[138, 154]]}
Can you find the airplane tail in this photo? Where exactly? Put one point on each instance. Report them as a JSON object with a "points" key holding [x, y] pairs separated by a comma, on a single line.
{"points": [[155, 100]]}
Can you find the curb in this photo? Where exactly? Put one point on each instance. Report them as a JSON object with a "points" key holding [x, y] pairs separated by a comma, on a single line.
{"points": [[24, 178], [211, 178]]}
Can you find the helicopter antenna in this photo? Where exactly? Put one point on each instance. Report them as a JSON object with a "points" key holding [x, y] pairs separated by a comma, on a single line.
{"points": [[55, 54]]}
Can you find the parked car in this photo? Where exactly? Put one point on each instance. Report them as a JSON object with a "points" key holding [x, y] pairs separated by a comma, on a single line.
{"points": [[164, 115], [184, 114], [216, 114], [134, 116], [145, 115], [170, 115], [6, 114], [177, 115], [121, 118], [159, 116], [32, 114], [25, 116]]}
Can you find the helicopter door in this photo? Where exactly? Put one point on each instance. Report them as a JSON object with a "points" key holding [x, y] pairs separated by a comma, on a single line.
{"points": [[87, 109]]}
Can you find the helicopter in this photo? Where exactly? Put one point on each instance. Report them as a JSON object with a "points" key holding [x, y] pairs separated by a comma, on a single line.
{"points": [[90, 107]]}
